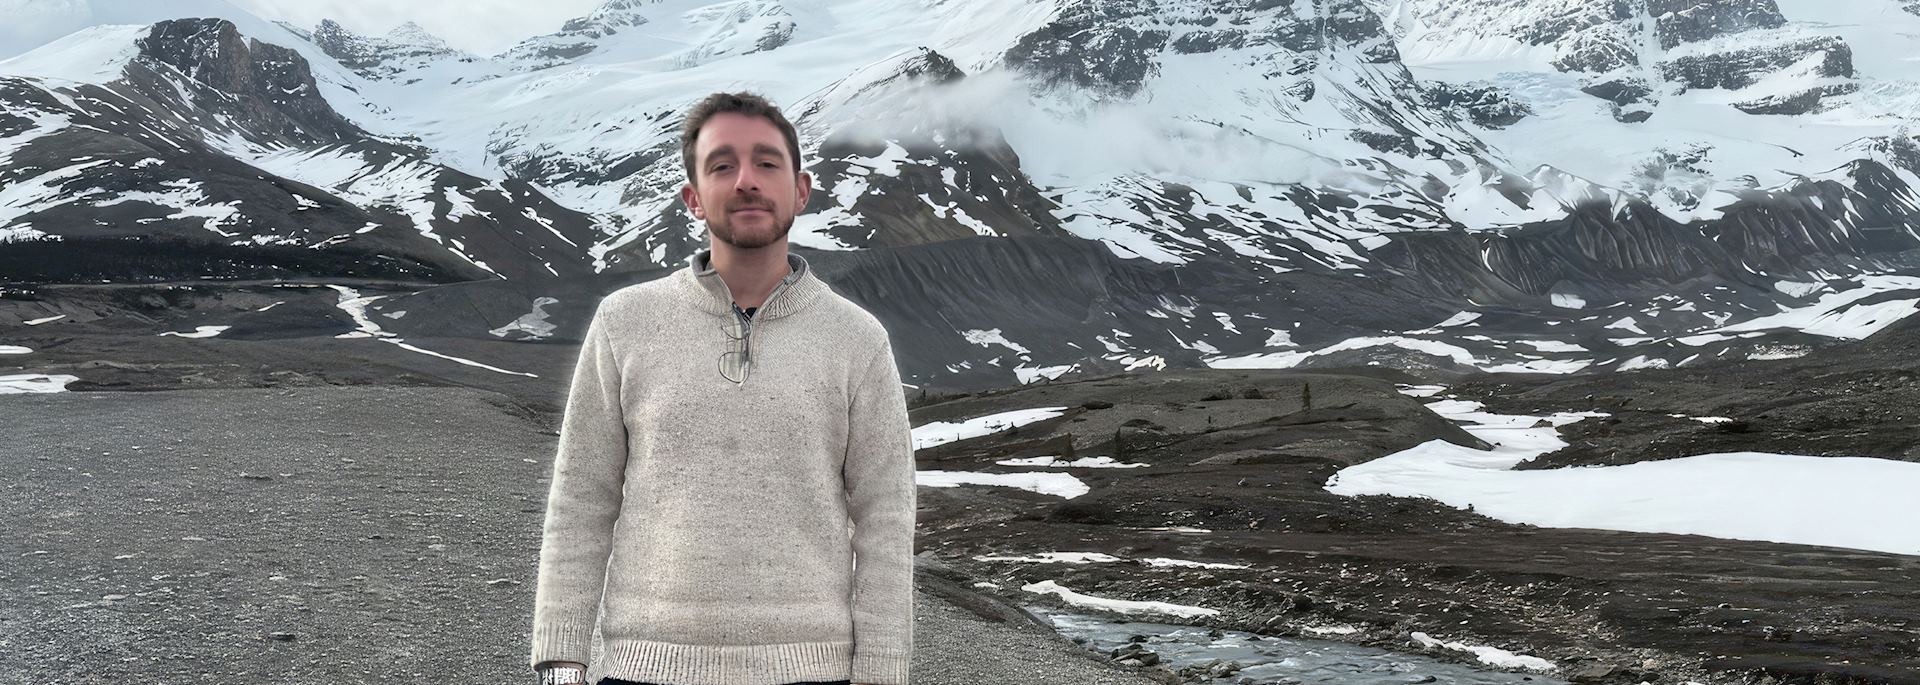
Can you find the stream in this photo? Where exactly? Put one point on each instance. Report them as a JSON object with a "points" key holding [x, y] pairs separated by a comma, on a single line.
{"points": [[1268, 660]]}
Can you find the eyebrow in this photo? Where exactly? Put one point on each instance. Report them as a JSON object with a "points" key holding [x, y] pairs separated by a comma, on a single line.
{"points": [[758, 150]]}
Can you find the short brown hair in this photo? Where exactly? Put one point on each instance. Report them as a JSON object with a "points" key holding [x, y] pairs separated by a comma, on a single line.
{"points": [[739, 103]]}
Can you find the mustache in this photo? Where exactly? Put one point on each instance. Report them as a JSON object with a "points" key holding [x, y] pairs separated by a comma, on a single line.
{"points": [[737, 205]]}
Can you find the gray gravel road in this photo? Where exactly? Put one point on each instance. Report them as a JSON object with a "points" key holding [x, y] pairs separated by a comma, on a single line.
{"points": [[325, 535]]}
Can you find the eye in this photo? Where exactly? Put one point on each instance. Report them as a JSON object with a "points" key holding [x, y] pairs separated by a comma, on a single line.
{"points": [[722, 167]]}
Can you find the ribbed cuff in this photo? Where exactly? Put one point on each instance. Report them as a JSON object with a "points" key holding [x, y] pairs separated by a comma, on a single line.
{"points": [[562, 641], [881, 668]]}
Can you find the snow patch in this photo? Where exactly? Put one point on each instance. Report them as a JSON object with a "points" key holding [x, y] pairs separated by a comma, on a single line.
{"points": [[1060, 485], [1120, 605], [943, 432]]}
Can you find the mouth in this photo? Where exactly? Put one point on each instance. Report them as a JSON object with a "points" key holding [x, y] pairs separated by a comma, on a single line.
{"points": [[746, 210]]}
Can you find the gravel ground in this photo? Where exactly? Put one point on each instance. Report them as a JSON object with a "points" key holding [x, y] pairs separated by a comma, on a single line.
{"points": [[327, 535]]}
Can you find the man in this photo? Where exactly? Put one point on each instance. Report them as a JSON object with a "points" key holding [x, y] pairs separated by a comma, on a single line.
{"points": [[733, 418]]}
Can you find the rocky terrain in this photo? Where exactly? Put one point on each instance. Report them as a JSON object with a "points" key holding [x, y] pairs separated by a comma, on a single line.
{"points": [[1237, 454]]}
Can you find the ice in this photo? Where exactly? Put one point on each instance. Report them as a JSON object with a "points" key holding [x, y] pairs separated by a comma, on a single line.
{"points": [[355, 305], [942, 432], [1830, 501], [1028, 374], [1046, 483], [22, 383], [199, 332], [407, 346], [1421, 390], [992, 337], [1056, 558], [1455, 353], [534, 324], [187, 197], [1552, 345], [1492, 656], [1837, 315], [1627, 324], [22, 196], [14, 349], [1120, 605], [1642, 362], [1185, 563], [1097, 557]]}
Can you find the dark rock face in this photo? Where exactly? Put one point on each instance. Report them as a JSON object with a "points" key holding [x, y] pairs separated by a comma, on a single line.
{"points": [[1113, 48], [1209, 41], [1631, 116], [1685, 21], [1741, 68], [1350, 22], [1486, 104], [272, 87], [931, 66], [1619, 91], [1795, 103], [607, 20], [988, 186], [1599, 50], [1086, 52], [157, 172], [1575, 18]]}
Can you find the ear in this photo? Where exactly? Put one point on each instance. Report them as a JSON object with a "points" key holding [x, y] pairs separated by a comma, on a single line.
{"points": [[692, 200], [803, 185]]}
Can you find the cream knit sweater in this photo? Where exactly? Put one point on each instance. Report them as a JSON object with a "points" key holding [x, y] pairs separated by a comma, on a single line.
{"points": [[723, 521]]}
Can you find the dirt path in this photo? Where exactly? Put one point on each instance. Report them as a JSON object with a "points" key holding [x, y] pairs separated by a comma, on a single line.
{"points": [[321, 534]]}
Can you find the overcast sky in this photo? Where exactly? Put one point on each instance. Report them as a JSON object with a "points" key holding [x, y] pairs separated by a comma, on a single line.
{"points": [[483, 27]]}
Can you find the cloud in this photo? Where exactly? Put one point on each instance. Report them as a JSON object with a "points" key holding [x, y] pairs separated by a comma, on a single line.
{"points": [[1066, 138], [28, 24]]}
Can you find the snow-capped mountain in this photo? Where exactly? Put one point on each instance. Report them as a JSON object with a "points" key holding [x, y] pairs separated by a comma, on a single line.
{"points": [[1033, 187], [406, 48]]}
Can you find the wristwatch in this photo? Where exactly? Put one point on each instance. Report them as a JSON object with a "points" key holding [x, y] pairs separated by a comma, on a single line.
{"points": [[562, 675]]}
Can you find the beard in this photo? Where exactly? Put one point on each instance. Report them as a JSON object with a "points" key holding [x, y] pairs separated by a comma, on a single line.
{"points": [[724, 230]]}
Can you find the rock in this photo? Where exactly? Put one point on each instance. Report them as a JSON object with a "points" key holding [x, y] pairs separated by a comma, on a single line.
{"points": [[1097, 404], [1619, 91], [1484, 103], [283, 637], [1736, 69]]}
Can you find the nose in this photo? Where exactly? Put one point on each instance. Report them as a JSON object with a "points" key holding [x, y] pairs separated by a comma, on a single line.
{"points": [[746, 181]]}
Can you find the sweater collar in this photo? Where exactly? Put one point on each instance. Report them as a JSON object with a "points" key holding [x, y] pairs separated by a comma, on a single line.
{"points": [[795, 291]]}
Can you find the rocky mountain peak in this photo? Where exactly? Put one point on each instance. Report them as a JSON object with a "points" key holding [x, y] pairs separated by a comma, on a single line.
{"points": [[607, 19], [406, 47], [265, 85]]}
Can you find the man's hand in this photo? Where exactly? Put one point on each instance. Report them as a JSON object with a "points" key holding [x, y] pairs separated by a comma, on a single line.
{"points": [[563, 664]]}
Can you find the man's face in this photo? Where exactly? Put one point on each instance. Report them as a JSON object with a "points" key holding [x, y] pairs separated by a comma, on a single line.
{"points": [[746, 187]]}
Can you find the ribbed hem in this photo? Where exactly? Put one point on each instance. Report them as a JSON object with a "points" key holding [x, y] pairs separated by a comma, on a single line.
{"points": [[562, 641], [776, 664], [881, 668]]}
